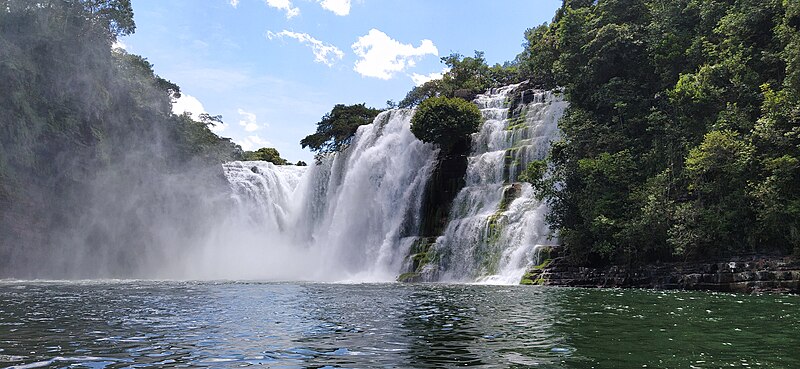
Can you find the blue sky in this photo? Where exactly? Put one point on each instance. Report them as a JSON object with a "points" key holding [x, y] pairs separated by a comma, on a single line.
{"points": [[273, 68]]}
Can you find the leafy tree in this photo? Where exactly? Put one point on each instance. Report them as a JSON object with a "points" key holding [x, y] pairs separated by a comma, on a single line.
{"points": [[116, 15], [681, 138], [88, 141], [465, 77], [418, 94], [269, 154], [337, 128], [445, 121]]}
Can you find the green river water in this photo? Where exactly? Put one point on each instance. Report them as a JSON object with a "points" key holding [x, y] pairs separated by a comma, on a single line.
{"points": [[144, 324]]}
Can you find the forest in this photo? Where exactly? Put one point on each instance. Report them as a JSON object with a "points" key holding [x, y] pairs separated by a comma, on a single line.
{"points": [[90, 151], [681, 139]]}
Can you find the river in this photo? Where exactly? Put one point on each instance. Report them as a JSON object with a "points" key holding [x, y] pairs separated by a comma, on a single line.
{"points": [[135, 324]]}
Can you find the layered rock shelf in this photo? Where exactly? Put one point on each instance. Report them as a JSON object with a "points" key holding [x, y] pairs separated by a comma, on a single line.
{"points": [[741, 275]]}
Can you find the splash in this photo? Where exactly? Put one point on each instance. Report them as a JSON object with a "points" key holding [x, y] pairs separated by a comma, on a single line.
{"points": [[351, 217], [496, 222], [355, 215]]}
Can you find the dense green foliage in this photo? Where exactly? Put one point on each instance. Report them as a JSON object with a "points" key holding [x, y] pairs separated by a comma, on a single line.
{"points": [[466, 77], [681, 139], [445, 121], [265, 154], [337, 128], [85, 130]]}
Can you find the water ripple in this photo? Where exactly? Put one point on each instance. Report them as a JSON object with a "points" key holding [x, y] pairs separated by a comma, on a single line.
{"points": [[141, 324]]}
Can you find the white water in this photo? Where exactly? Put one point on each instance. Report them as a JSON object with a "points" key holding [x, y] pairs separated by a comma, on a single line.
{"points": [[351, 217], [482, 243], [354, 216]]}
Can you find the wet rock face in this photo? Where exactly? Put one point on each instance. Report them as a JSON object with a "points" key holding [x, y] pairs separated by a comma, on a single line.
{"points": [[444, 184], [758, 274]]}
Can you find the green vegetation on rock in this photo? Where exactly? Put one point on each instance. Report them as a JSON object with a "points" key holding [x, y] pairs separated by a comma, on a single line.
{"points": [[269, 154], [681, 140], [445, 121], [337, 128]]}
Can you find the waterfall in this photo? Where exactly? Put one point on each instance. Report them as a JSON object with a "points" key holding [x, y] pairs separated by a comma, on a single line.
{"points": [[355, 215], [263, 191], [496, 223]]}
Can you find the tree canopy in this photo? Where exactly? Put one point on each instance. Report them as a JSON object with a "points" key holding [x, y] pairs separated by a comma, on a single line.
{"points": [[269, 154], [337, 128], [445, 121], [465, 77], [681, 139], [88, 138]]}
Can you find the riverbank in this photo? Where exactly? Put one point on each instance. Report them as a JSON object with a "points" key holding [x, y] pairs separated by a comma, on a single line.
{"points": [[742, 275]]}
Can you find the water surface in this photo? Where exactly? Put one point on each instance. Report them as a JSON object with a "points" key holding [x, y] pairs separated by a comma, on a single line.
{"points": [[137, 324]]}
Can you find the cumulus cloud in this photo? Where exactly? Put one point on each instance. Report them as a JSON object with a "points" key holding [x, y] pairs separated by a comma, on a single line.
{"points": [[189, 104], [234, 3], [249, 121], [323, 53], [420, 79], [382, 57], [285, 5], [253, 142], [338, 7]]}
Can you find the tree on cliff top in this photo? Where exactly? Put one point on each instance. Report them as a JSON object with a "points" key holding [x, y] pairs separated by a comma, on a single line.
{"points": [[269, 154], [445, 121], [337, 128]]}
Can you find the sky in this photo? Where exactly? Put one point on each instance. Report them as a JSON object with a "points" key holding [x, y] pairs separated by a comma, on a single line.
{"points": [[273, 68]]}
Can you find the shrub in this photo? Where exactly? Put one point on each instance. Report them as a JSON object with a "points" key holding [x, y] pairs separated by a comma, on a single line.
{"points": [[445, 121]]}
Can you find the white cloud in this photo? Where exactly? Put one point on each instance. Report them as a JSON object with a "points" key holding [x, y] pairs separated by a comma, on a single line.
{"points": [[119, 45], [249, 121], [338, 7], [382, 57], [420, 79], [285, 5], [234, 3], [189, 104], [323, 53], [253, 142]]}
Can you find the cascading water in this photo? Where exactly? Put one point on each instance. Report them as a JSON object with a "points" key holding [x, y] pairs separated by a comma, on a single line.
{"points": [[263, 191], [355, 215], [496, 223]]}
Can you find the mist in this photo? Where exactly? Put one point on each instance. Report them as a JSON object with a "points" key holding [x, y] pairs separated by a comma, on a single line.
{"points": [[98, 179]]}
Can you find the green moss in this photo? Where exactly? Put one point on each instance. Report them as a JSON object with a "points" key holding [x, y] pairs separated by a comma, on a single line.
{"points": [[543, 265], [510, 193], [517, 122], [534, 275], [421, 254], [408, 277], [539, 281]]}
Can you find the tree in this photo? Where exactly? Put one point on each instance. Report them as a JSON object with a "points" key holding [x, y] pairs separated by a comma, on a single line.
{"points": [[116, 15], [269, 154], [465, 77], [445, 121], [337, 128], [77, 117]]}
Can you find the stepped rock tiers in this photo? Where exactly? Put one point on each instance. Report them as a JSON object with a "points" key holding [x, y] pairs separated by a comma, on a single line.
{"points": [[744, 274], [390, 205]]}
